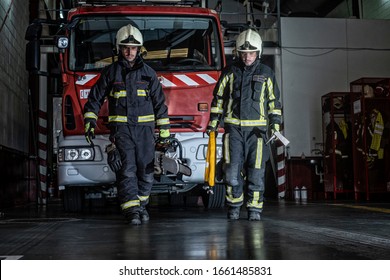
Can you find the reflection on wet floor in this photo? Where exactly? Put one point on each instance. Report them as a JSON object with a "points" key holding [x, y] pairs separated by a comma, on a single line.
{"points": [[290, 231]]}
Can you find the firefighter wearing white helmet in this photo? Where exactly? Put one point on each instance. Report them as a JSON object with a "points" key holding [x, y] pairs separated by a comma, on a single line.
{"points": [[129, 41], [246, 101], [249, 41], [136, 106], [129, 36]]}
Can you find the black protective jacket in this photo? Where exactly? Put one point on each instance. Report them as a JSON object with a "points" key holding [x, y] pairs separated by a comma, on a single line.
{"points": [[247, 97], [134, 94]]}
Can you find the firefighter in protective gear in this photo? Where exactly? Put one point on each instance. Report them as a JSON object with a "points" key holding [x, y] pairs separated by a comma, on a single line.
{"points": [[136, 105], [375, 131], [246, 100]]}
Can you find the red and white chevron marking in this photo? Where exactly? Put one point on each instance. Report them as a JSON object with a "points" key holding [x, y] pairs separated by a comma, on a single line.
{"points": [[185, 80], [281, 166], [42, 156]]}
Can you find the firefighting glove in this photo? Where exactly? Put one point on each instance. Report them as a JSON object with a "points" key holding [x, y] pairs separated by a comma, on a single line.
{"points": [[213, 126], [113, 158], [89, 129], [275, 128], [164, 136]]}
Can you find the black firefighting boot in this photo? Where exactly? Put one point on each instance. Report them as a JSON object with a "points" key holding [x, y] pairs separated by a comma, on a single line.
{"points": [[144, 215], [132, 216], [254, 216], [135, 219], [233, 213]]}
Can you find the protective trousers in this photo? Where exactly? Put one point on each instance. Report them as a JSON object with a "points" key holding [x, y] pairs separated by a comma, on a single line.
{"points": [[245, 157], [135, 179]]}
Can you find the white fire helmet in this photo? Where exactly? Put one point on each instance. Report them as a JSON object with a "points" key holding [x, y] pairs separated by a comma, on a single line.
{"points": [[368, 91], [249, 41], [128, 35], [338, 102]]}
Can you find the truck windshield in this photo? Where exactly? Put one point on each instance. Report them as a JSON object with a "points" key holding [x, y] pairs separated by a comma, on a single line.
{"points": [[172, 43]]}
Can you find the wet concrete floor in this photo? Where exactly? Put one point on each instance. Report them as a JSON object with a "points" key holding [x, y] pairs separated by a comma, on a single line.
{"points": [[331, 230]]}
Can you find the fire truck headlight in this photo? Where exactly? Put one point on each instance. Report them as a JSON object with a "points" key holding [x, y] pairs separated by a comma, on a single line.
{"points": [[202, 155], [76, 154], [71, 154], [86, 154]]}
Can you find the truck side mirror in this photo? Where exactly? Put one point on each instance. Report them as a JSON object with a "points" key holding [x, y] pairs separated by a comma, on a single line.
{"points": [[33, 47], [33, 57]]}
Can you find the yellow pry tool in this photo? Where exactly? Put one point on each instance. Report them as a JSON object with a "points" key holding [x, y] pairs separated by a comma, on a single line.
{"points": [[209, 175]]}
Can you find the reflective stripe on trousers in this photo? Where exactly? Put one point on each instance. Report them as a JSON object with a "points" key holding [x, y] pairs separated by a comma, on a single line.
{"points": [[245, 157], [135, 179]]}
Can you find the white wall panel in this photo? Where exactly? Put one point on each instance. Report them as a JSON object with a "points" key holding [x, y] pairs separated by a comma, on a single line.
{"points": [[368, 33], [321, 56], [313, 32]]}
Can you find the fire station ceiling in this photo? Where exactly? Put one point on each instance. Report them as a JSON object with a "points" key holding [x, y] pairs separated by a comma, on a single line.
{"points": [[314, 8], [292, 8], [299, 8]]}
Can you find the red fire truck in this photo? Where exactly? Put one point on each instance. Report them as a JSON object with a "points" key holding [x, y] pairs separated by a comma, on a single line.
{"points": [[183, 42]]}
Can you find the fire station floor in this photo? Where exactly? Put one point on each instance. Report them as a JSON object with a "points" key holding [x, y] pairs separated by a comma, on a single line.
{"points": [[326, 230]]}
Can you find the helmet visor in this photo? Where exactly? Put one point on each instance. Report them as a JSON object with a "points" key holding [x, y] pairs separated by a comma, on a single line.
{"points": [[247, 47], [130, 41]]}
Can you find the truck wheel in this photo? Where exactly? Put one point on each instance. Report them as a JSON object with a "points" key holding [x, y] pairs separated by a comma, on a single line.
{"points": [[215, 200], [73, 199]]}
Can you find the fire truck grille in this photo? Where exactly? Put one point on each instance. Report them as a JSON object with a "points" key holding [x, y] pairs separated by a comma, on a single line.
{"points": [[182, 121], [70, 122]]}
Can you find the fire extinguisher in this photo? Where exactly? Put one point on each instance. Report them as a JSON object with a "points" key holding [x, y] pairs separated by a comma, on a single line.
{"points": [[297, 193], [303, 193]]}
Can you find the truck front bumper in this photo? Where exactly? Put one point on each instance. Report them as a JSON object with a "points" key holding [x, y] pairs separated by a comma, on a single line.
{"points": [[79, 164]]}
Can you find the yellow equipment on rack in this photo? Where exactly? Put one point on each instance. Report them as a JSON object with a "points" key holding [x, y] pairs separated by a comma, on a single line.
{"points": [[209, 175]]}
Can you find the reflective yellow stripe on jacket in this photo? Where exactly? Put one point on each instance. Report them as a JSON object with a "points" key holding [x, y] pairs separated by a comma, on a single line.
{"points": [[141, 92], [118, 94], [141, 119], [147, 118], [245, 122], [272, 109], [164, 121], [117, 119], [219, 108]]}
